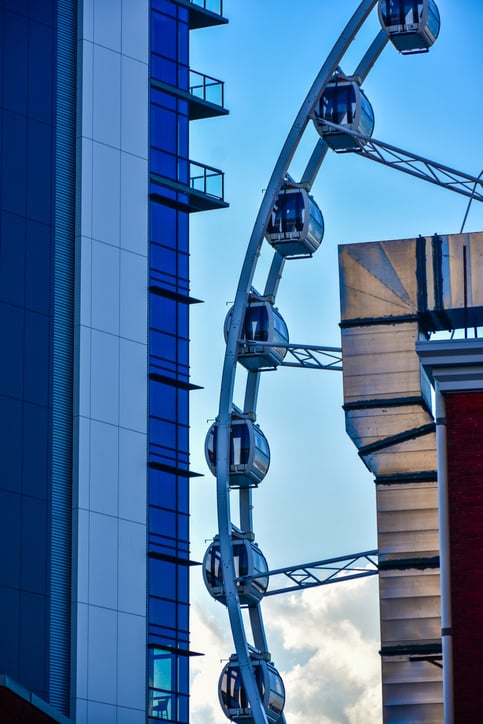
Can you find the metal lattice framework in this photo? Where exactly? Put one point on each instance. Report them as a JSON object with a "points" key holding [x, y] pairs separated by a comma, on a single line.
{"points": [[320, 573], [301, 355]]}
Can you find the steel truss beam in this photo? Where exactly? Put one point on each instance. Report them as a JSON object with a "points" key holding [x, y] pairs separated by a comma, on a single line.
{"points": [[309, 356], [321, 573], [410, 163]]}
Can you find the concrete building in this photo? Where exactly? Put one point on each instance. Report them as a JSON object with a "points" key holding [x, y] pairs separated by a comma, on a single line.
{"points": [[413, 371]]}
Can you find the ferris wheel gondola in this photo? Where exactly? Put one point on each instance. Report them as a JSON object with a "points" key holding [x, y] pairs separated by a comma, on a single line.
{"points": [[249, 562], [296, 225], [233, 697], [412, 26], [263, 331], [249, 452], [344, 103]]}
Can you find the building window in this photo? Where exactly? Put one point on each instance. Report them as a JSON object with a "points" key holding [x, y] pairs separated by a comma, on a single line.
{"points": [[166, 700]]}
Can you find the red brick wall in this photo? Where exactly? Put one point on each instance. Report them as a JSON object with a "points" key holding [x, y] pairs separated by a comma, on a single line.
{"points": [[464, 415]]}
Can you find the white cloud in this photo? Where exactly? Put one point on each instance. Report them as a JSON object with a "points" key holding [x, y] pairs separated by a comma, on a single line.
{"points": [[324, 642], [210, 636]]}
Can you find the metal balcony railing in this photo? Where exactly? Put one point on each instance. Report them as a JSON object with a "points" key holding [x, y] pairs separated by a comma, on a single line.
{"points": [[213, 6], [206, 88], [207, 180]]}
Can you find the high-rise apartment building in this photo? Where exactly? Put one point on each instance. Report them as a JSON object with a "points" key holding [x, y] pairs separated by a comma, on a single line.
{"points": [[96, 190]]}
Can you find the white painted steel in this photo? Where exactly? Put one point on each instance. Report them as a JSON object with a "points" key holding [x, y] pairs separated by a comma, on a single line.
{"points": [[229, 368]]}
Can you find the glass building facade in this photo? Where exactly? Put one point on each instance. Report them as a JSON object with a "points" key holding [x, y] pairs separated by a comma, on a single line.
{"points": [[96, 190]]}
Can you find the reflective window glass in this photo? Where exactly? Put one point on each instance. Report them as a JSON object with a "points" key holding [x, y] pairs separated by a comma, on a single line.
{"points": [[162, 345], [162, 612], [163, 313], [256, 324], [164, 35], [13, 161], [163, 225], [162, 400], [12, 258], [162, 579], [164, 69], [16, 37], [40, 70], [162, 432], [163, 129], [162, 522], [162, 489]]}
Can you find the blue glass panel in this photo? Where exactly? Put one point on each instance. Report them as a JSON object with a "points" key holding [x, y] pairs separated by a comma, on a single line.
{"points": [[183, 107], [39, 159], [36, 358], [183, 79], [34, 545], [164, 164], [164, 100], [183, 319], [183, 708], [33, 632], [165, 6], [2, 45], [42, 11], [11, 445], [10, 527], [13, 163], [183, 43], [162, 488], [183, 350], [162, 400], [162, 433], [40, 69], [162, 612], [183, 528], [184, 171], [183, 15], [9, 622], [161, 345], [183, 266], [183, 231], [162, 259], [183, 617], [183, 135], [183, 495], [163, 69], [19, 6], [12, 258], [11, 359], [38, 267], [183, 438], [162, 522], [163, 314], [35, 446], [162, 578], [15, 59], [163, 225], [163, 38], [183, 583], [163, 129], [183, 406]]}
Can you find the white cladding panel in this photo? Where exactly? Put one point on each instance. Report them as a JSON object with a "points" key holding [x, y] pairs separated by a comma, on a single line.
{"points": [[109, 502]]}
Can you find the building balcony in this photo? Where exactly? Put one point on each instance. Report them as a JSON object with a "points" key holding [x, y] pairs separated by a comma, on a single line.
{"points": [[193, 186], [204, 13], [205, 96]]}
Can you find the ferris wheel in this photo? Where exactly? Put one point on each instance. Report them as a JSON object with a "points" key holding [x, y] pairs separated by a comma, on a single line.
{"points": [[289, 220]]}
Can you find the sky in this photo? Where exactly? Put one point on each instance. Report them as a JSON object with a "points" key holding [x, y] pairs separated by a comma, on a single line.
{"points": [[317, 500]]}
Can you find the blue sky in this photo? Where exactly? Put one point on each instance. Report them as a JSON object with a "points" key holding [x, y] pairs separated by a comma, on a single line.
{"points": [[317, 499]]}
